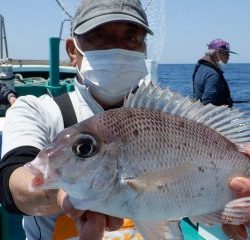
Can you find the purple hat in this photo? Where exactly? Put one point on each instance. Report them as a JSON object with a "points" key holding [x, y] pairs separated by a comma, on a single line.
{"points": [[219, 44]]}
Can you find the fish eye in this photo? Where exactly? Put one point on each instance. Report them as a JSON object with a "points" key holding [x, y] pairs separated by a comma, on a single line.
{"points": [[85, 146]]}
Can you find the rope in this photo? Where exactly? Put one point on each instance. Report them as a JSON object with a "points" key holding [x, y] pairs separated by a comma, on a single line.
{"points": [[148, 5], [63, 9]]}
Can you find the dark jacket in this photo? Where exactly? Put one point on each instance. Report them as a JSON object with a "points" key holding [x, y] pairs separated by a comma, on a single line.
{"points": [[209, 85], [6, 93]]}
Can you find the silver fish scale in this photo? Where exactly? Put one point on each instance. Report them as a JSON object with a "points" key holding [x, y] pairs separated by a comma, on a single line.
{"points": [[178, 162]]}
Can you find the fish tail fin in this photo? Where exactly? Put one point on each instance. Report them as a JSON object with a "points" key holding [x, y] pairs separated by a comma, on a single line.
{"points": [[235, 217]]}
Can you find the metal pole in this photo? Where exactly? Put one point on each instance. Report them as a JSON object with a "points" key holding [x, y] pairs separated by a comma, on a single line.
{"points": [[54, 74], [5, 40], [1, 36]]}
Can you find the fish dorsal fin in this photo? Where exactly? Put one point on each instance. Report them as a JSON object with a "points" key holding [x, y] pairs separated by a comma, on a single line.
{"points": [[231, 123]]}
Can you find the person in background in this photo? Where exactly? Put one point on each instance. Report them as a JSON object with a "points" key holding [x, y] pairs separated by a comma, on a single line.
{"points": [[209, 84], [7, 95], [108, 51]]}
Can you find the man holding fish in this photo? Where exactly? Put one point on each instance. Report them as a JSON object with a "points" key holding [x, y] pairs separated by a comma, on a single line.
{"points": [[107, 48]]}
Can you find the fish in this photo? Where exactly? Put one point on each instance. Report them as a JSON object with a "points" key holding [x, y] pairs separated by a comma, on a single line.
{"points": [[159, 158]]}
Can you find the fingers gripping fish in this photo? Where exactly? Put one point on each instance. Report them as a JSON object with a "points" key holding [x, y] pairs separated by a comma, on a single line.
{"points": [[159, 158]]}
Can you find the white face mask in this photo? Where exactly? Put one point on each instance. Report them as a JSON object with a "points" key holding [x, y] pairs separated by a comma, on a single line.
{"points": [[111, 74], [220, 64]]}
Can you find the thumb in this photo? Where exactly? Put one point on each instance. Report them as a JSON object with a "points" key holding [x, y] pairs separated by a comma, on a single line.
{"points": [[241, 186], [65, 204]]}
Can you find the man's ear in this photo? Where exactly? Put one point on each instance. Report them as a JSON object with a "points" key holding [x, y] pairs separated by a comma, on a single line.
{"points": [[70, 48]]}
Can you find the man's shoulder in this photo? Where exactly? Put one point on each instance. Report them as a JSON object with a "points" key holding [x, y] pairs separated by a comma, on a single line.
{"points": [[44, 101], [34, 99], [207, 66], [42, 106], [207, 71]]}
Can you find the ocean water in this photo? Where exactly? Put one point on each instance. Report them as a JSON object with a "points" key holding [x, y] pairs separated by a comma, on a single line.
{"points": [[178, 77]]}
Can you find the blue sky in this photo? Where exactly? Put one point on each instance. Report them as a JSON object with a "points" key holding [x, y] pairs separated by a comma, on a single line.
{"points": [[190, 25]]}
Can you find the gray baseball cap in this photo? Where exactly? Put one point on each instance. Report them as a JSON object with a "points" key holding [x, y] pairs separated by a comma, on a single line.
{"points": [[93, 13]]}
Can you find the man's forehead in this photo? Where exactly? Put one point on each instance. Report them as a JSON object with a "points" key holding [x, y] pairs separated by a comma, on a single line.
{"points": [[119, 27]]}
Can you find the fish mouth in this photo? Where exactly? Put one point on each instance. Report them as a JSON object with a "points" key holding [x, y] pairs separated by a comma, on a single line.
{"points": [[41, 177], [34, 170]]}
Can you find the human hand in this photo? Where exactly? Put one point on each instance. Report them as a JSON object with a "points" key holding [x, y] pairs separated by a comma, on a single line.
{"points": [[241, 185], [12, 100], [90, 225]]}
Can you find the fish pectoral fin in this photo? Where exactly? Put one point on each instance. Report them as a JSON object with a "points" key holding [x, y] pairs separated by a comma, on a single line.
{"points": [[137, 185], [158, 179], [164, 230]]}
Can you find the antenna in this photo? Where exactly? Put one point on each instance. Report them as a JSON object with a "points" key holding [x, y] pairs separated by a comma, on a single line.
{"points": [[3, 39]]}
